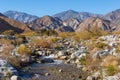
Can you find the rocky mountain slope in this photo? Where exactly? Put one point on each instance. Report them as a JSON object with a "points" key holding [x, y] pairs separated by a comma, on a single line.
{"points": [[73, 14], [20, 16], [113, 15], [9, 24], [94, 23], [46, 22]]}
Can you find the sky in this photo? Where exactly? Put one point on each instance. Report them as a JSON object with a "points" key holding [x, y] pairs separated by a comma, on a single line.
{"points": [[51, 7]]}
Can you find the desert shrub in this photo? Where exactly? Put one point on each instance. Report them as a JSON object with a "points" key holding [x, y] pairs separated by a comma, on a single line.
{"points": [[117, 49], [52, 39], [111, 60], [83, 61], [8, 32], [101, 45], [21, 39], [14, 61], [23, 50], [29, 33], [64, 35], [110, 70], [37, 43], [45, 32], [82, 36], [92, 64]]}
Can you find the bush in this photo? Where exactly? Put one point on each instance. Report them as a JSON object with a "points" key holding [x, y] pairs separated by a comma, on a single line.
{"points": [[37, 43], [111, 70], [8, 32], [111, 60], [64, 35], [83, 61], [29, 33], [52, 39], [117, 49], [82, 36], [45, 32], [23, 50], [101, 45]]}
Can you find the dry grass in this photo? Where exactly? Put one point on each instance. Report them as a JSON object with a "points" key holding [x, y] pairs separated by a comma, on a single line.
{"points": [[111, 60], [64, 35], [23, 50], [37, 43]]}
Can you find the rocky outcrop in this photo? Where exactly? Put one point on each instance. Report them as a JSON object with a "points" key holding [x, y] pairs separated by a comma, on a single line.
{"points": [[45, 22], [94, 23], [72, 23], [9, 24], [113, 15]]}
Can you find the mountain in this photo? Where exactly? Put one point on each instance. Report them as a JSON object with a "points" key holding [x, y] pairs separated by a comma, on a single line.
{"points": [[72, 23], [73, 14], [46, 22], [9, 24], [113, 15], [20, 16], [65, 29], [94, 23], [116, 24], [66, 14]]}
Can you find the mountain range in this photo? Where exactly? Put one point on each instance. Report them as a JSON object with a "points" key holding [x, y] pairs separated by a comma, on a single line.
{"points": [[64, 21]]}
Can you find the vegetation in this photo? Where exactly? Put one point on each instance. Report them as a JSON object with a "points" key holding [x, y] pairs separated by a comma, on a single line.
{"points": [[101, 45], [117, 49], [64, 35], [37, 43], [111, 70], [45, 32], [8, 32], [23, 50]]}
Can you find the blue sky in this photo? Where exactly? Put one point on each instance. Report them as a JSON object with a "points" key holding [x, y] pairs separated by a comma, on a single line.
{"points": [[50, 7]]}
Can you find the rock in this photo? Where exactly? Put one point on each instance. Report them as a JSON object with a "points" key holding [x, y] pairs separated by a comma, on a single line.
{"points": [[14, 77], [47, 60], [63, 57], [82, 50], [100, 54], [47, 74], [95, 76], [60, 70], [5, 67], [60, 53]]}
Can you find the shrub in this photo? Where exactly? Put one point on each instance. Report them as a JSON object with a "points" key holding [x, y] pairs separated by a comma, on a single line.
{"points": [[23, 50], [111, 70], [8, 32], [83, 61], [45, 32], [37, 43], [117, 49], [29, 33], [82, 36], [110, 60], [101, 45], [52, 39], [64, 35]]}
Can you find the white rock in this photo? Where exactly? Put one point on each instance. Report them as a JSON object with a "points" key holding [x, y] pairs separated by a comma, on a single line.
{"points": [[14, 77]]}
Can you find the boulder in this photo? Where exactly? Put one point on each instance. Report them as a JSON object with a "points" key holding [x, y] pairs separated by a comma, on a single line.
{"points": [[14, 77], [100, 54], [82, 50], [95, 76], [47, 60]]}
